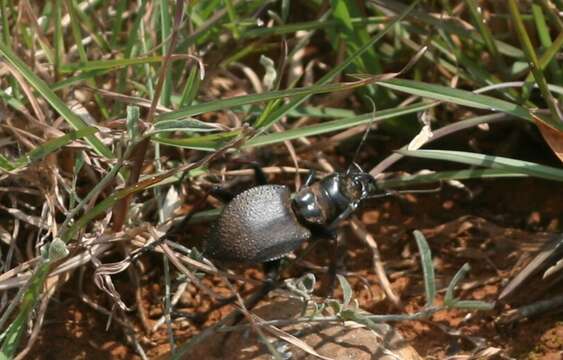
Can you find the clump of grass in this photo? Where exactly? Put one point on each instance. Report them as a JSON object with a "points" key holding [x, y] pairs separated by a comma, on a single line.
{"points": [[107, 105]]}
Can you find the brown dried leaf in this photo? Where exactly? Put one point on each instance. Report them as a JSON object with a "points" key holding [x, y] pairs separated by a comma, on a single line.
{"points": [[553, 137]]}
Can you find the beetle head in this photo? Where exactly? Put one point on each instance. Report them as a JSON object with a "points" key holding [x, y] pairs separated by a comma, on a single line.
{"points": [[358, 185], [323, 201]]}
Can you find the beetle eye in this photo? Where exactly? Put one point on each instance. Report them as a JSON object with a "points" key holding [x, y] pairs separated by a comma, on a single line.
{"points": [[354, 188]]}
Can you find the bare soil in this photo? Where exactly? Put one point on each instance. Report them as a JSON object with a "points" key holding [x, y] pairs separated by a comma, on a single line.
{"points": [[504, 223]]}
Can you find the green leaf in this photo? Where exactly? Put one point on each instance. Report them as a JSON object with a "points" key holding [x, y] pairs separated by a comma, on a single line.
{"points": [[57, 250], [491, 161], [427, 268], [347, 292], [461, 273], [335, 305]]}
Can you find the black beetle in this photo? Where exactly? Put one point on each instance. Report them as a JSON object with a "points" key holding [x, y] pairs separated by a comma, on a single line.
{"points": [[265, 223]]}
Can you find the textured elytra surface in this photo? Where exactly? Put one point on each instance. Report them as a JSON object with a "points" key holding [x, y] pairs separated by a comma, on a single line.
{"points": [[258, 225]]}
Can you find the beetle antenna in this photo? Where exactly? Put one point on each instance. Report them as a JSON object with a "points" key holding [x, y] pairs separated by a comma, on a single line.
{"points": [[399, 192], [364, 137]]}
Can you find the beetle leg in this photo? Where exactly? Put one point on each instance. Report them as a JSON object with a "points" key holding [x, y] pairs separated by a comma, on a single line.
{"points": [[336, 264], [343, 215], [222, 194], [259, 174], [310, 177], [272, 270]]}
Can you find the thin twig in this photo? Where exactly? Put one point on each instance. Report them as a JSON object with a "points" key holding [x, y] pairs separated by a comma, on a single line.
{"points": [[360, 231]]}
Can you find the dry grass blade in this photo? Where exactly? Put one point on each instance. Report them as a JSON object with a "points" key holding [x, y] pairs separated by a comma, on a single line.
{"points": [[137, 110], [280, 334], [139, 153], [363, 234]]}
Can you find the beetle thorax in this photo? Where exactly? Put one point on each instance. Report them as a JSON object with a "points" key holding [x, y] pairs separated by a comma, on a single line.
{"points": [[323, 201]]}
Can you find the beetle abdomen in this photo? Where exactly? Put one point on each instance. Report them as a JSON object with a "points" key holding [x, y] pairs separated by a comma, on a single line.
{"points": [[258, 225]]}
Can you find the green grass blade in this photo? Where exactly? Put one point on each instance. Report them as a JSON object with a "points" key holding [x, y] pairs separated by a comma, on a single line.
{"points": [[204, 143], [6, 36], [12, 101], [117, 22], [114, 63], [53, 145], [165, 32], [183, 125], [5, 164], [473, 305], [6, 11], [12, 336], [347, 291], [191, 88], [418, 179], [213, 142], [233, 17], [58, 34], [354, 36], [485, 33], [72, 80], [76, 122], [90, 27], [449, 298], [451, 27], [130, 47], [549, 57], [456, 96], [427, 267], [321, 112], [490, 161], [308, 26], [335, 125], [556, 119], [76, 33], [256, 98], [283, 110]]}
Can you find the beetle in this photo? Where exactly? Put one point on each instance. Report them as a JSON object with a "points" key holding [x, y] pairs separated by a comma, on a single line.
{"points": [[265, 222]]}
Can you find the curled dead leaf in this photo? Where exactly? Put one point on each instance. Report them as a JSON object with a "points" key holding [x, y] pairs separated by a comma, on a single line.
{"points": [[553, 136]]}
